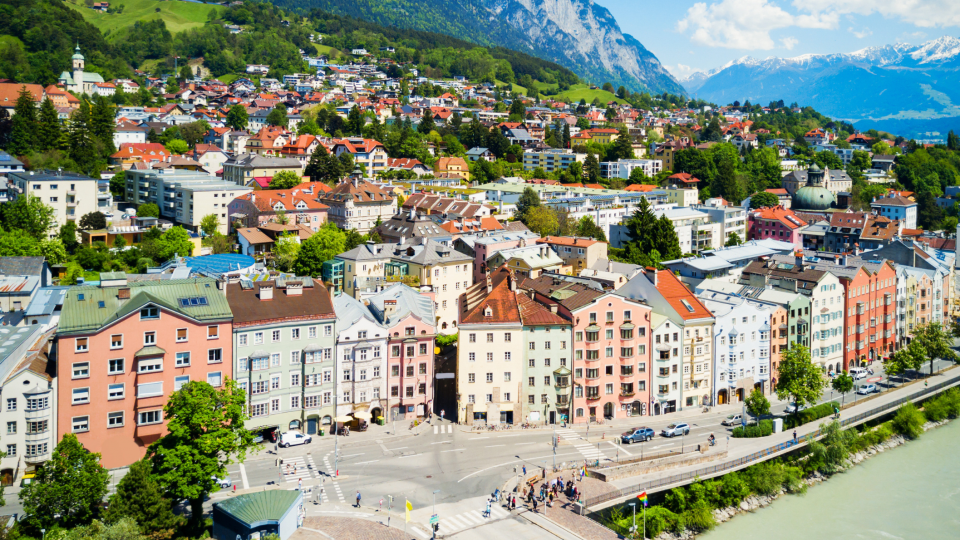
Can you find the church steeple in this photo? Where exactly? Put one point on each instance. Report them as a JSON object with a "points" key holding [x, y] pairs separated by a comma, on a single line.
{"points": [[78, 59]]}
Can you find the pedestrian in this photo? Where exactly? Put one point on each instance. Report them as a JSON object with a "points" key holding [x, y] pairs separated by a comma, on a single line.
{"points": [[381, 505], [487, 513], [524, 470], [299, 484], [442, 412], [794, 435], [534, 506], [358, 499], [513, 503]]}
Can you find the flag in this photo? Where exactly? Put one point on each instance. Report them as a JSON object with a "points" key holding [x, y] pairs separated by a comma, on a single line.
{"points": [[409, 508], [643, 497]]}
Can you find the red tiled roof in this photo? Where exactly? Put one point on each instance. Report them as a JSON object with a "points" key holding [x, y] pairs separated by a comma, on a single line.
{"points": [[641, 187], [535, 313], [679, 296], [777, 191], [778, 213], [501, 301], [686, 178], [568, 241]]}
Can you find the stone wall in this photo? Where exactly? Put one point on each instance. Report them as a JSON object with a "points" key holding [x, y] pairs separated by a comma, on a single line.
{"points": [[637, 467]]}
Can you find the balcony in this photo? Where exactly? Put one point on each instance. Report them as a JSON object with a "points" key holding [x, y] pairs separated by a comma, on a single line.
{"points": [[627, 394], [593, 397]]}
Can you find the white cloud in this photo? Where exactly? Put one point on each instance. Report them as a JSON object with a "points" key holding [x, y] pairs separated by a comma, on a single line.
{"points": [[923, 13], [862, 33], [746, 24], [789, 43], [681, 71]]}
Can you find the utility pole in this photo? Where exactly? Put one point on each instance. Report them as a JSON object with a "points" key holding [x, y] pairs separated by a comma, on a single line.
{"points": [[634, 528], [434, 526], [555, 446], [389, 508]]}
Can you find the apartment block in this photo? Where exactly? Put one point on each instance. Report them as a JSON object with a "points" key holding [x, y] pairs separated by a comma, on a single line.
{"points": [[184, 197], [551, 160], [71, 195]]}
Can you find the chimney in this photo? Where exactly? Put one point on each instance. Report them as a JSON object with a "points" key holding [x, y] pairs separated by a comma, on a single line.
{"points": [[856, 249], [389, 308], [553, 308], [266, 292], [609, 265], [798, 258], [294, 288], [123, 294], [489, 284], [332, 290]]}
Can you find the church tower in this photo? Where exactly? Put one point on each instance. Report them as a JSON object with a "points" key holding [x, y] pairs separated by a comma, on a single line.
{"points": [[78, 70]]}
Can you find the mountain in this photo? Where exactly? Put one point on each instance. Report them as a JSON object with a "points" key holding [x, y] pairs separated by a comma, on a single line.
{"points": [[577, 34], [912, 88]]}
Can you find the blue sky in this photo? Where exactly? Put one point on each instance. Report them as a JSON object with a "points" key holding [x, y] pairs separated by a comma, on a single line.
{"points": [[692, 36]]}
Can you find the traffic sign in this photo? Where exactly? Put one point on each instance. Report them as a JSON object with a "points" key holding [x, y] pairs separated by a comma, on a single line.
{"points": [[434, 519]]}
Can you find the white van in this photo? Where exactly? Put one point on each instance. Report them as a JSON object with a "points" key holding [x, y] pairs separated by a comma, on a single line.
{"points": [[858, 373]]}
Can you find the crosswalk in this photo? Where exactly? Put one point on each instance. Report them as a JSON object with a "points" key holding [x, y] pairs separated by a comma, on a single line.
{"points": [[443, 428], [297, 468], [589, 451], [334, 485], [466, 520]]}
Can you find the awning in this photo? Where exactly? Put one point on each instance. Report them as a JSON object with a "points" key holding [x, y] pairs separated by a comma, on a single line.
{"points": [[259, 354], [363, 415], [312, 347], [663, 347], [151, 350], [592, 328], [344, 418], [627, 326]]}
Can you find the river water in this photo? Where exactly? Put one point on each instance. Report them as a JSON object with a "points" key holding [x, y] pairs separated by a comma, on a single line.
{"points": [[910, 492]]}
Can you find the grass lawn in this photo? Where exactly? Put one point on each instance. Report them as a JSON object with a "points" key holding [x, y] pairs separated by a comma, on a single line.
{"points": [[582, 91], [516, 87], [179, 16]]}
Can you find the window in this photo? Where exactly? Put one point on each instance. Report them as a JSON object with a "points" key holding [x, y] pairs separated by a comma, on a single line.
{"points": [[423, 349], [115, 367], [81, 395], [81, 370], [11, 428], [150, 389], [80, 424], [294, 357], [472, 338], [327, 330], [150, 365], [409, 392], [149, 313], [179, 381], [36, 427], [489, 357], [115, 391], [257, 338], [489, 338], [81, 345], [181, 335], [506, 376], [472, 357], [149, 338], [362, 334], [214, 379], [149, 417], [215, 356], [295, 333], [116, 341], [115, 419], [242, 340], [609, 334], [507, 337], [183, 359]]}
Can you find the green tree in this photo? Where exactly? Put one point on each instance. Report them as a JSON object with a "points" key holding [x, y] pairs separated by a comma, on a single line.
{"points": [[68, 236], [541, 220], [908, 421], [103, 125], [900, 362], [177, 146], [175, 241], [205, 433], [29, 214], [328, 242], [67, 490], [528, 200], [18, 243], [237, 117], [285, 251], [278, 116], [591, 166], [119, 242], [124, 529], [139, 497], [323, 167], [842, 384], [285, 180], [148, 210], [733, 239], [82, 143], [209, 224], [49, 131], [23, 132], [93, 221], [622, 147], [800, 379], [588, 228], [757, 404], [933, 342], [427, 123], [726, 184], [763, 199], [355, 121], [53, 250]]}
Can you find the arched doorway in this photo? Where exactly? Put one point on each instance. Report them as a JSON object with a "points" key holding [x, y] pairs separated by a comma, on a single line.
{"points": [[656, 409], [377, 412], [294, 424], [6, 477], [722, 397], [608, 410], [740, 394]]}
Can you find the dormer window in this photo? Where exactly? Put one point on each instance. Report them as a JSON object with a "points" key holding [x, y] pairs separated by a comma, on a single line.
{"points": [[487, 312]]}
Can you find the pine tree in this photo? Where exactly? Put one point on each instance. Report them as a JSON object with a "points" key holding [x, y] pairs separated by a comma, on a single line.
{"points": [[592, 167], [665, 239], [103, 125], [566, 135], [82, 142], [138, 496], [622, 147], [426, 123], [49, 133], [23, 132], [355, 121]]}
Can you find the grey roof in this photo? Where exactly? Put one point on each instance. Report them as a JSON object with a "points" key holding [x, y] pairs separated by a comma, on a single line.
{"points": [[8, 160], [21, 266], [626, 269], [14, 343], [46, 301], [256, 161], [349, 310], [408, 301]]}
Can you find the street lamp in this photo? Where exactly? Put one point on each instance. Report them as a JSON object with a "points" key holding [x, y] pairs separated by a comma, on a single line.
{"points": [[634, 528]]}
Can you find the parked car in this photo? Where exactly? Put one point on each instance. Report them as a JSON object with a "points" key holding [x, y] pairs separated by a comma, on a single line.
{"points": [[732, 420], [675, 429], [867, 389], [858, 373], [224, 482], [293, 438], [792, 407], [640, 434]]}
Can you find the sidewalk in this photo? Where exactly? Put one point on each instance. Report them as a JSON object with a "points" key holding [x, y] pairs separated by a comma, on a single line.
{"points": [[374, 435]]}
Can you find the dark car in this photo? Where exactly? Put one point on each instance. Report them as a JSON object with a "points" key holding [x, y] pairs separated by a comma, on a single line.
{"points": [[641, 434]]}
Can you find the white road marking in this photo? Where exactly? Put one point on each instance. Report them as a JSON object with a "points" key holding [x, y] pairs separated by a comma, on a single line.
{"points": [[495, 445], [454, 450], [420, 533], [365, 462], [524, 443], [434, 430], [442, 442], [243, 476], [621, 448]]}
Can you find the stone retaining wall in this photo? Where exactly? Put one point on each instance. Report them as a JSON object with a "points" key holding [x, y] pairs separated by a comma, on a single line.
{"points": [[636, 468]]}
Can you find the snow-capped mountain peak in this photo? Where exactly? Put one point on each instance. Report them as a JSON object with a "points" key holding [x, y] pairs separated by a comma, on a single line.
{"points": [[937, 50]]}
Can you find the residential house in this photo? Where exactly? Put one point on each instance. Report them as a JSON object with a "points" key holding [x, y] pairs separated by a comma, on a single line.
{"points": [[185, 197], [366, 152], [70, 195], [157, 336], [360, 359], [897, 207], [577, 253], [741, 344], [777, 223], [357, 204], [454, 166], [284, 335], [546, 386], [299, 205], [527, 261]]}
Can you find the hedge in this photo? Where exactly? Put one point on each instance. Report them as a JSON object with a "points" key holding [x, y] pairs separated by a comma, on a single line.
{"points": [[753, 430], [809, 415]]}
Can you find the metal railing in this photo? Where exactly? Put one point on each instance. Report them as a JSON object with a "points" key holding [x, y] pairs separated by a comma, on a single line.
{"points": [[762, 454]]}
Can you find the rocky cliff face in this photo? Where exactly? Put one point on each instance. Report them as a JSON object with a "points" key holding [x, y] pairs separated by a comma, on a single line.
{"points": [[576, 34], [586, 38]]}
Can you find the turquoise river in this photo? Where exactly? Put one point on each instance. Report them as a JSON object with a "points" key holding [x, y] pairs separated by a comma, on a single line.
{"points": [[910, 492]]}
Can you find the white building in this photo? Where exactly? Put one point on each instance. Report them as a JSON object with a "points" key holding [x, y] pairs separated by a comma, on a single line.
{"points": [[666, 380], [71, 195], [741, 346], [622, 168], [361, 357], [29, 400], [695, 230]]}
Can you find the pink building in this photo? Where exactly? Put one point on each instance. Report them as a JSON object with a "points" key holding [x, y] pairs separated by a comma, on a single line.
{"points": [[124, 348], [611, 348], [487, 246], [776, 222], [411, 330]]}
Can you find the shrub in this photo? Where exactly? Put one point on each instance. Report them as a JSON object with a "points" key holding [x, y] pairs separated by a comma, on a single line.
{"points": [[699, 518], [809, 415], [936, 409], [764, 428], [733, 489], [660, 519], [765, 478], [952, 399], [908, 421], [872, 437]]}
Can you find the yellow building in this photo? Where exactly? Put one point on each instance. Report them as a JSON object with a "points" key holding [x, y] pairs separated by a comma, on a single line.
{"points": [[454, 166]]}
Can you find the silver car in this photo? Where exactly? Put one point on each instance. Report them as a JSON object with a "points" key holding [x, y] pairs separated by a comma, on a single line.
{"points": [[675, 429]]}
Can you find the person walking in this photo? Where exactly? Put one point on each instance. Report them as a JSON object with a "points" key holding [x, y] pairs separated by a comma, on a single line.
{"points": [[534, 506], [524, 470], [300, 484], [358, 499], [794, 436], [487, 513]]}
